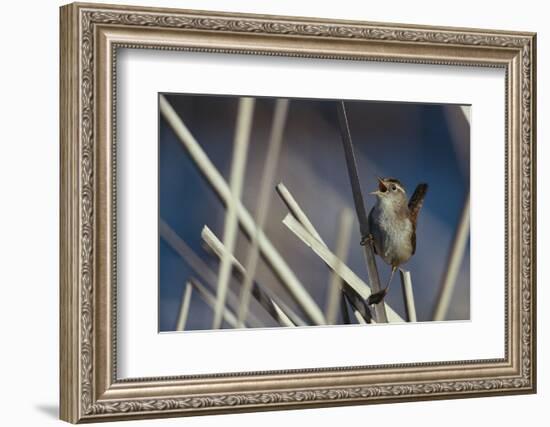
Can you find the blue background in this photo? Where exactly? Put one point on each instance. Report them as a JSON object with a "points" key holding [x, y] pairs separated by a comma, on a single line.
{"points": [[412, 142]]}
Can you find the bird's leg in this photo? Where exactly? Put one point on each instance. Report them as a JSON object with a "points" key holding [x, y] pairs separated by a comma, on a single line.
{"points": [[377, 297], [387, 288], [367, 238]]}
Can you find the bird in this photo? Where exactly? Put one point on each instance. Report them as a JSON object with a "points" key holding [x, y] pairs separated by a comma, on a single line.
{"points": [[392, 226]]}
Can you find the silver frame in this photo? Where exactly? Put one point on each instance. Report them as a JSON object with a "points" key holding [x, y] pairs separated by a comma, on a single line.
{"points": [[90, 37]]}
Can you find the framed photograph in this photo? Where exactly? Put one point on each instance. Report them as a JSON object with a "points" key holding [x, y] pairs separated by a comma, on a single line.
{"points": [[266, 212]]}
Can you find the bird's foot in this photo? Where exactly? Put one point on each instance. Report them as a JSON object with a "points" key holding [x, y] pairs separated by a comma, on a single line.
{"points": [[377, 297], [366, 239]]}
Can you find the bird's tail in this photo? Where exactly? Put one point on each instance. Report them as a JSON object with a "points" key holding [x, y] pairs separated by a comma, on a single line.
{"points": [[417, 199]]}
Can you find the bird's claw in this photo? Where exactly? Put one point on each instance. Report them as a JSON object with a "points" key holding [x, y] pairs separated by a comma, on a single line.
{"points": [[377, 297], [366, 239]]}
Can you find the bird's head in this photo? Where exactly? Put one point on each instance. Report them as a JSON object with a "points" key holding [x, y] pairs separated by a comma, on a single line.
{"points": [[390, 191]]}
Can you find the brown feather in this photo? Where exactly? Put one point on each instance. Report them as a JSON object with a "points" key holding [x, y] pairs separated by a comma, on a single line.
{"points": [[415, 204], [416, 201]]}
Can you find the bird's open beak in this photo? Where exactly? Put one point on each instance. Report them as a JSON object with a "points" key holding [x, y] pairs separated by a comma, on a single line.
{"points": [[382, 188]]}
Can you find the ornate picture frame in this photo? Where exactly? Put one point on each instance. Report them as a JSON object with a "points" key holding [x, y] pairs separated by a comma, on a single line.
{"points": [[90, 37]]}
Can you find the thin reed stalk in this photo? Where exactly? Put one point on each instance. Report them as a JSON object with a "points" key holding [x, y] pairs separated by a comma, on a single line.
{"points": [[354, 296], [207, 275], [454, 260], [184, 308], [347, 275], [210, 299], [335, 286], [272, 159], [355, 182], [408, 296], [220, 251], [273, 258], [236, 179]]}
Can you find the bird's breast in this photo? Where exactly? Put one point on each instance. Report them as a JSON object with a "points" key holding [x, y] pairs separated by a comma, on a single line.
{"points": [[392, 237]]}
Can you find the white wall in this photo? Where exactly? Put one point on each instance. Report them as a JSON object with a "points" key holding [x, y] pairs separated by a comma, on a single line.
{"points": [[29, 169]]}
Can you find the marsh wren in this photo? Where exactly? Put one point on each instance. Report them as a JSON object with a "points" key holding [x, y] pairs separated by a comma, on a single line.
{"points": [[392, 226]]}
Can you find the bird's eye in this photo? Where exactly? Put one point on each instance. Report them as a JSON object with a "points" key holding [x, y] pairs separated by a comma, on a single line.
{"points": [[393, 187]]}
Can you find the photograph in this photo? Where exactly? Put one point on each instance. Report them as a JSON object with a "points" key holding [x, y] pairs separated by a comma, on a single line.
{"points": [[289, 212], [268, 211]]}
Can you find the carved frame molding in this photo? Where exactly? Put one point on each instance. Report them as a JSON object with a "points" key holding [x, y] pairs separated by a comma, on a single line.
{"points": [[90, 36]]}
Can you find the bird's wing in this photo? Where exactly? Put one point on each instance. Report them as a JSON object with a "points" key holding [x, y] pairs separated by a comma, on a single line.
{"points": [[417, 199]]}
